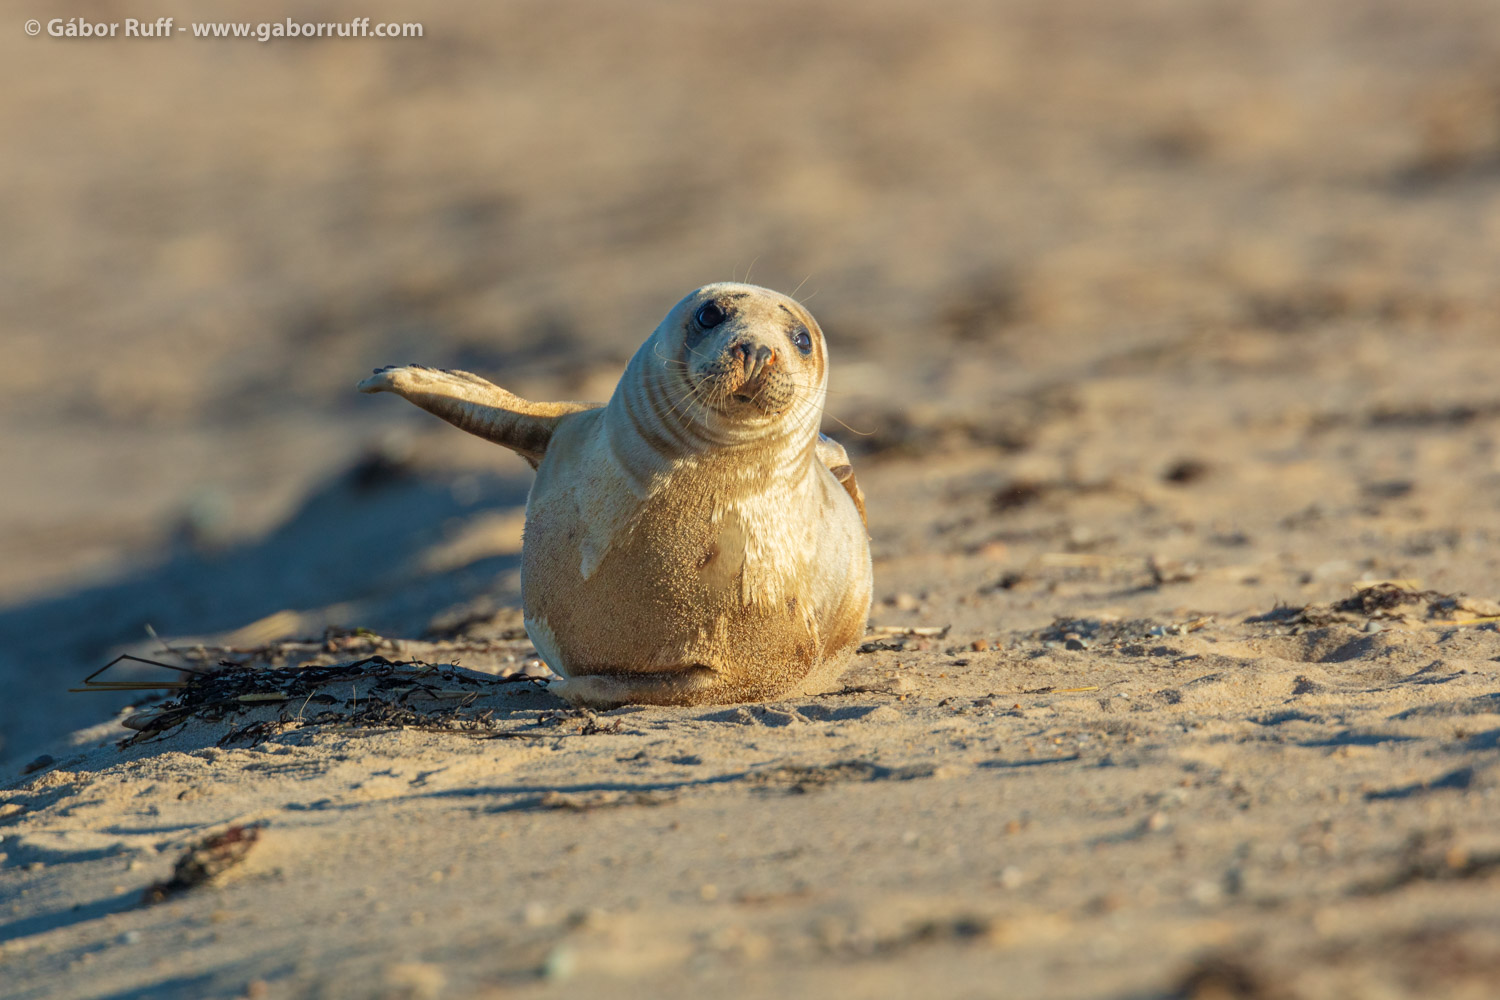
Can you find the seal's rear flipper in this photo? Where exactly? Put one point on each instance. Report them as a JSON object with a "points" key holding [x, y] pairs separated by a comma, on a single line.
{"points": [[605, 691], [478, 406], [833, 455]]}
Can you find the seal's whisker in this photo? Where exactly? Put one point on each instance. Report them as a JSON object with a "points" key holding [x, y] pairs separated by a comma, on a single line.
{"points": [[815, 387], [848, 428], [803, 421], [678, 405], [682, 405], [670, 362], [697, 406]]}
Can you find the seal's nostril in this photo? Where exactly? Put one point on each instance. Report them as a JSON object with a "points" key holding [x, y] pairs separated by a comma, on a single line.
{"points": [[764, 355], [744, 355]]}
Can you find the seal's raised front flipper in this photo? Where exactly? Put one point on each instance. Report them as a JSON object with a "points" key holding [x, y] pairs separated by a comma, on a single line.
{"points": [[478, 406], [833, 455]]}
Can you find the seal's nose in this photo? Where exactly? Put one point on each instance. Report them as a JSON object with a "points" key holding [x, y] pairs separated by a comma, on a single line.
{"points": [[753, 359]]}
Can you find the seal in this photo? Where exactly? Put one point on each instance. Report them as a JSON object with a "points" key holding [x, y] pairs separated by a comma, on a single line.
{"points": [[695, 540]]}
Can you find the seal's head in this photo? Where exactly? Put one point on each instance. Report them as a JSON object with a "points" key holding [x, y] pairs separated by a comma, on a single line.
{"points": [[746, 354], [731, 366]]}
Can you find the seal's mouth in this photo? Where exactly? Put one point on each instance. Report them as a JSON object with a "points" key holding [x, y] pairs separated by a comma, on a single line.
{"points": [[731, 391], [725, 391]]}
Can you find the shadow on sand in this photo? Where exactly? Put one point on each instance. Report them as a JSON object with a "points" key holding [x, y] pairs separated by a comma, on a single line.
{"points": [[357, 540]]}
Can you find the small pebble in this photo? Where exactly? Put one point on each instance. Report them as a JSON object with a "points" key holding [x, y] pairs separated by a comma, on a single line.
{"points": [[1206, 893], [417, 980], [592, 918], [1107, 903], [1077, 644], [1373, 626], [129, 937], [979, 645], [561, 964]]}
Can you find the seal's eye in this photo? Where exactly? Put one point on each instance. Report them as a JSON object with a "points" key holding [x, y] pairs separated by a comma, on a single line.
{"points": [[802, 339], [709, 315]]}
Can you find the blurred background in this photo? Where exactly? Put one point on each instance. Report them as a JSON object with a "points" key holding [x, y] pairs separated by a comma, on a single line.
{"points": [[208, 242]]}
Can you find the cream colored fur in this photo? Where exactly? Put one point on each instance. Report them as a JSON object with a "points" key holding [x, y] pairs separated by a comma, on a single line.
{"points": [[694, 540]]}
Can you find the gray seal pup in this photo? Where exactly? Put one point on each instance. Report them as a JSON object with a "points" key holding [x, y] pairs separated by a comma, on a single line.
{"points": [[695, 540]]}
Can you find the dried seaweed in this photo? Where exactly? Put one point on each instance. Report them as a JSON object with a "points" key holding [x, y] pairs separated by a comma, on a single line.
{"points": [[604, 799], [1391, 601], [1432, 857], [91, 684], [803, 778], [580, 721], [205, 861], [233, 690], [1383, 596]]}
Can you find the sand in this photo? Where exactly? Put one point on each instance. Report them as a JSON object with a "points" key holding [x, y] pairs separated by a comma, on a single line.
{"points": [[1163, 342]]}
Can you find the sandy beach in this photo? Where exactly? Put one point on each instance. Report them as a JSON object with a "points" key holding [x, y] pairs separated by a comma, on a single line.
{"points": [[1163, 341]]}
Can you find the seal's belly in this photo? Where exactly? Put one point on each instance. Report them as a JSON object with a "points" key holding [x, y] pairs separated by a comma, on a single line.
{"points": [[675, 589]]}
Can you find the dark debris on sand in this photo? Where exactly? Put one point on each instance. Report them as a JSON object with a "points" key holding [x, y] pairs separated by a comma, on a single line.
{"points": [[800, 778], [1079, 633], [1386, 600], [380, 693], [205, 861]]}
